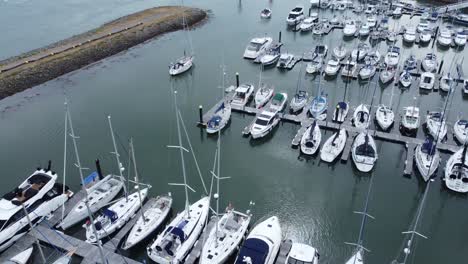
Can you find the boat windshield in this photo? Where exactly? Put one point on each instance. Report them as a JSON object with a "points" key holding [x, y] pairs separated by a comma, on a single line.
{"points": [[261, 122], [427, 79], [293, 16], [411, 119], [292, 260], [253, 46]]}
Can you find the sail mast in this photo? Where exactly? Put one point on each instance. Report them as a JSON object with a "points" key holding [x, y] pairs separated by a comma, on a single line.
{"points": [[132, 149], [65, 157], [181, 150], [117, 157]]}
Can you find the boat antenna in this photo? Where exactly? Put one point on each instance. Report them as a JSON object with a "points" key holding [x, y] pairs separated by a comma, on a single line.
{"points": [[137, 186], [117, 158], [65, 156], [80, 170]]}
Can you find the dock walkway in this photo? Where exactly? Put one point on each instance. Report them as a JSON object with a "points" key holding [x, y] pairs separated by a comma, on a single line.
{"points": [[198, 247]]}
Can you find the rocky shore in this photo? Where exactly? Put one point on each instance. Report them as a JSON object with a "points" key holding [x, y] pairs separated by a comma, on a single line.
{"points": [[41, 65]]}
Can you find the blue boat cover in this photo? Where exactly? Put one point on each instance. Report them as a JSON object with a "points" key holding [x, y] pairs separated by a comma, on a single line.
{"points": [[90, 179], [428, 147], [342, 105], [214, 121], [255, 249], [463, 122], [177, 232], [111, 214]]}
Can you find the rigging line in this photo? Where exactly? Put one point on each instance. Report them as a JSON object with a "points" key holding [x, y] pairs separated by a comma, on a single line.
{"points": [[211, 189]]}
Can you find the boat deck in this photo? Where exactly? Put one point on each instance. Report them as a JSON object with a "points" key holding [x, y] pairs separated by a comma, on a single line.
{"points": [[284, 251], [198, 247]]}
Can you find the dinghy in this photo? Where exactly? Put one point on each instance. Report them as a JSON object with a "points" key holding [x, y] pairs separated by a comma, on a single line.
{"points": [[456, 171], [302, 253], [445, 82], [410, 118], [299, 101], [427, 81], [361, 117], [264, 124], [364, 152], [367, 71], [219, 120], [311, 138], [430, 63], [427, 158], [295, 16], [147, 223], [460, 129], [181, 65], [333, 146], [436, 125], [263, 95], [242, 95], [349, 69], [21, 258], [387, 75], [262, 244], [340, 112], [384, 116], [406, 79], [340, 52], [265, 13]]}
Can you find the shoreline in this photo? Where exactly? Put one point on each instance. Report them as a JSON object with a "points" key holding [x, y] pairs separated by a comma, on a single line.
{"points": [[40, 65]]}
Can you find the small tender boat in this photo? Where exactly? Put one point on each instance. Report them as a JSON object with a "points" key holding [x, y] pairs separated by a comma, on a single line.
{"points": [[284, 60], [425, 36], [436, 125], [445, 82], [340, 52], [21, 258], [445, 37], [147, 223], [265, 13], [393, 56], [295, 16], [302, 253], [350, 28], [262, 244], [311, 139], [315, 65], [397, 12], [410, 35], [456, 171], [242, 95], [340, 112], [181, 65], [318, 107], [361, 117], [257, 47], [333, 146], [219, 120], [460, 129], [367, 71], [308, 24], [361, 50], [264, 123], [299, 101], [364, 152], [411, 63], [430, 63], [422, 26], [364, 30], [263, 95], [406, 79], [387, 75], [410, 118], [460, 39], [427, 158], [349, 69], [333, 66], [384, 116], [427, 81], [278, 102], [115, 217]]}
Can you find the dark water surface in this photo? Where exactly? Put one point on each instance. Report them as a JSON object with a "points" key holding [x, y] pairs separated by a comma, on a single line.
{"points": [[314, 200]]}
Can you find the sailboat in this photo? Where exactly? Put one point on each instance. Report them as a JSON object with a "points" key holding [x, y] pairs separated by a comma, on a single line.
{"points": [[436, 125], [456, 171], [264, 92], [319, 105], [340, 112], [221, 116], [300, 98], [460, 130], [427, 158], [21, 258], [333, 146], [384, 114], [229, 229], [178, 238], [361, 117], [311, 138], [364, 152], [185, 62]]}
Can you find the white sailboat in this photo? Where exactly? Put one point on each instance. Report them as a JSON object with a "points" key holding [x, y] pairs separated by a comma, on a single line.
{"points": [[387, 75], [264, 92], [311, 138], [340, 52], [221, 116], [384, 116], [456, 171], [445, 82], [300, 98], [185, 62], [427, 158], [340, 112], [21, 258], [436, 125], [364, 152], [333, 146], [361, 117], [406, 79], [460, 129]]}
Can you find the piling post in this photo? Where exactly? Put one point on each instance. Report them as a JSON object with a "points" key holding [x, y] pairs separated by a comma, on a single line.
{"points": [[279, 37], [200, 114], [440, 67], [49, 165], [237, 79]]}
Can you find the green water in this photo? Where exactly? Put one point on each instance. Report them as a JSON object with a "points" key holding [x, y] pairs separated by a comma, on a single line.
{"points": [[314, 200]]}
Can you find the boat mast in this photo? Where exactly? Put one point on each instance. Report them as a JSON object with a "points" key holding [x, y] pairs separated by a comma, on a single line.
{"points": [[65, 157], [80, 170], [132, 149], [117, 158]]}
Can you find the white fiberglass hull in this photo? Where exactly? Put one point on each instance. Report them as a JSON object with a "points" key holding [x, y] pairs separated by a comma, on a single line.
{"points": [[182, 65], [311, 143], [426, 164], [385, 117], [333, 146], [23, 257], [460, 129], [456, 173], [364, 163], [361, 117]]}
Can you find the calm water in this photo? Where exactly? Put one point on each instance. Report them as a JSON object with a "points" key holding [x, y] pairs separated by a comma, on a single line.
{"points": [[314, 200]]}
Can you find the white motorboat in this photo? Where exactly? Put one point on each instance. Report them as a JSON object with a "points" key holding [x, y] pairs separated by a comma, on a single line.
{"points": [[460, 39], [360, 52], [284, 60], [411, 63], [340, 112], [265, 13], [220, 118], [350, 28], [436, 125], [371, 21], [422, 26], [278, 102], [364, 152], [311, 139], [21, 258], [445, 38], [302, 253], [178, 238], [460, 129], [430, 63], [349, 69], [263, 95], [410, 35], [257, 47], [357, 258], [427, 81], [315, 65], [262, 244], [406, 79], [242, 95], [318, 107], [333, 146], [387, 75], [425, 36], [100, 194], [264, 124], [397, 12], [392, 58], [361, 118], [147, 223], [364, 30], [271, 55], [370, 9], [392, 36], [114, 217], [321, 50], [427, 158], [299, 101], [181, 65], [367, 71], [332, 68], [425, 15], [340, 52], [445, 82], [295, 16], [384, 116], [307, 24], [410, 118], [456, 171]]}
